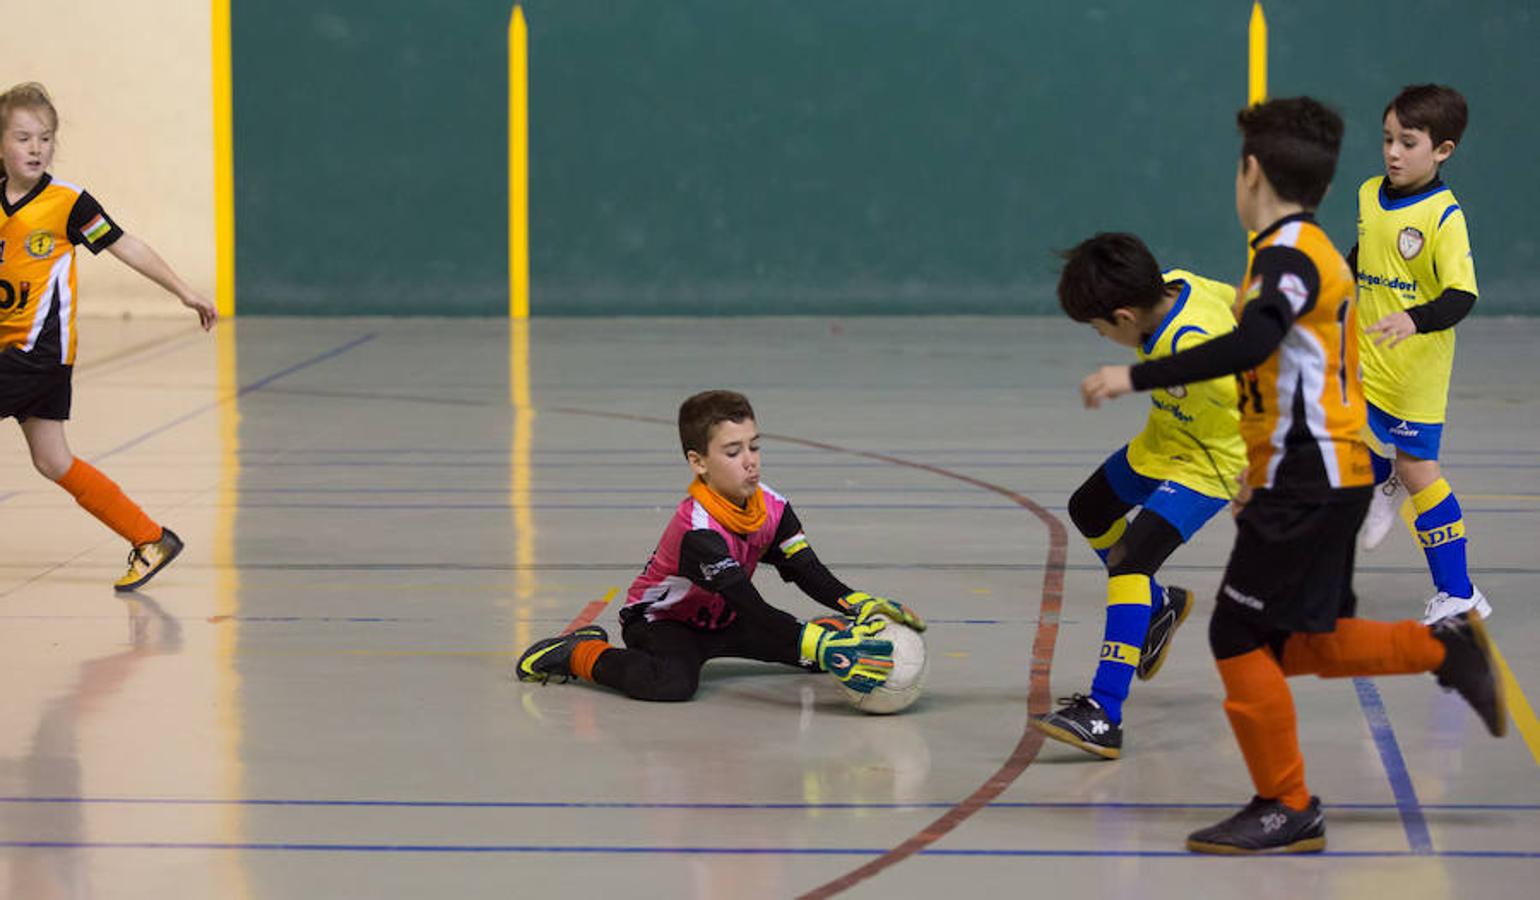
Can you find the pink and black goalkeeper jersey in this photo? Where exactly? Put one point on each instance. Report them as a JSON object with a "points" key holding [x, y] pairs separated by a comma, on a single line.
{"points": [[665, 590]]}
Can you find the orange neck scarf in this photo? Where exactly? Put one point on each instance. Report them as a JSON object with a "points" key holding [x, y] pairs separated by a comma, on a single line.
{"points": [[739, 520]]}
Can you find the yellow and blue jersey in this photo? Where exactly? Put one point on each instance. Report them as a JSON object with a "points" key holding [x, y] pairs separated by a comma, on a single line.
{"points": [[1410, 250], [1192, 436]]}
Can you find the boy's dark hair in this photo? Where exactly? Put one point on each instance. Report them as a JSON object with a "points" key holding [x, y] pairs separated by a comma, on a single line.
{"points": [[1434, 108], [1296, 140], [700, 413], [1108, 271]]}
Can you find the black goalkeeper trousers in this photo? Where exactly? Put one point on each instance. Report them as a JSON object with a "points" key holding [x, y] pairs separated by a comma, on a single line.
{"points": [[662, 660]]}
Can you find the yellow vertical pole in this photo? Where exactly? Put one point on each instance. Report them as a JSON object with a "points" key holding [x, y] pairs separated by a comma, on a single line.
{"points": [[518, 166], [1256, 79], [1256, 82], [224, 162], [520, 477]]}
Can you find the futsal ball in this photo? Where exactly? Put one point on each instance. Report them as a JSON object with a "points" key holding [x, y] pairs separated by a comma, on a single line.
{"points": [[905, 681]]}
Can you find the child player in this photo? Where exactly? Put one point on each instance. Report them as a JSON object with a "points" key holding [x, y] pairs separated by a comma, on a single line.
{"points": [[1180, 469], [1416, 280], [1286, 601], [42, 221], [694, 600]]}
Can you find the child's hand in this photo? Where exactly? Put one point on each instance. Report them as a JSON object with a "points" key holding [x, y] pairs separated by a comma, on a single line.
{"points": [[863, 606], [856, 657], [207, 314], [1395, 328], [1104, 384], [1242, 493]]}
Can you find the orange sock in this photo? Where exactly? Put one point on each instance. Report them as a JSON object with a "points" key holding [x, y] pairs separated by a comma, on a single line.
{"points": [[584, 655], [1361, 647], [1261, 712], [101, 497]]}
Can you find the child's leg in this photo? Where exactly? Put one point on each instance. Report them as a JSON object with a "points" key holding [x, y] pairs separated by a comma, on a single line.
{"points": [[1259, 707], [95, 492], [1440, 524], [1390, 494], [1131, 594], [661, 661], [1098, 506], [1360, 647]]}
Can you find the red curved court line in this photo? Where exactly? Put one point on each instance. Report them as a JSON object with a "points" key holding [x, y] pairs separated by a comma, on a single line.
{"points": [[1038, 696], [586, 616]]}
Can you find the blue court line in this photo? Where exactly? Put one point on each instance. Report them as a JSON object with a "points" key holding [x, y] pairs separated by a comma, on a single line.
{"points": [[396, 620], [1079, 452], [726, 805], [254, 386], [972, 507], [1395, 766], [704, 850], [781, 464]]}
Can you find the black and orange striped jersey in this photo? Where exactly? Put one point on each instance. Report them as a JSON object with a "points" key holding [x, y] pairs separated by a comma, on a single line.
{"points": [[38, 236], [1302, 408], [1295, 351]]}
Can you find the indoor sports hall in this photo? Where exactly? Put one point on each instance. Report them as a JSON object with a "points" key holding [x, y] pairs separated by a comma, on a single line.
{"points": [[468, 263]]}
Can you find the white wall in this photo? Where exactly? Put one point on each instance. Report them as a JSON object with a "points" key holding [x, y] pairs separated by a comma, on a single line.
{"points": [[132, 85]]}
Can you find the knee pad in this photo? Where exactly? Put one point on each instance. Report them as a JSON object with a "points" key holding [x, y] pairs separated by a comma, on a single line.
{"points": [[1095, 505]]}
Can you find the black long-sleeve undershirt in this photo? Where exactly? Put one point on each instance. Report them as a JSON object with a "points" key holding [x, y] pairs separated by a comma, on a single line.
{"points": [[1264, 323]]}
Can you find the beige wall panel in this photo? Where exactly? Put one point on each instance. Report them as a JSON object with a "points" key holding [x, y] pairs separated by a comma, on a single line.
{"points": [[132, 84]]}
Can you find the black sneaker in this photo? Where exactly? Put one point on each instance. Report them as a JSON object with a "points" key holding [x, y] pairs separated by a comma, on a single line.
{"points": [[1469, 668], [1264, 826], [1163, 625], [1081, 722], [548, 659]]}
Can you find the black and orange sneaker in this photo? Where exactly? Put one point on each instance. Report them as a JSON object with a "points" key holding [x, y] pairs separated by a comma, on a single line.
{"points": [[549, 658]]}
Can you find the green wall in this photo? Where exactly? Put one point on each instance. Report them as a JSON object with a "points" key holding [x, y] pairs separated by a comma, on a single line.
{"points": [[861, 156]]}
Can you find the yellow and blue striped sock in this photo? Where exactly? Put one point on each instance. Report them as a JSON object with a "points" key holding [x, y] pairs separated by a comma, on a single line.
{"points": [[1128, 617], [1441, 531]]}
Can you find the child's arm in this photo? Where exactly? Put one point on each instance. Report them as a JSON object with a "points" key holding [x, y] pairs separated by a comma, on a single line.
{"points": [[859, 660], [794, 558], [142, 258], [1288, 282]]}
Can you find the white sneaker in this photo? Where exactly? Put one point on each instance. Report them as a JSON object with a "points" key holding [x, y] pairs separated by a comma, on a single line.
{"points": [[1442, 606], [1384, 510]]}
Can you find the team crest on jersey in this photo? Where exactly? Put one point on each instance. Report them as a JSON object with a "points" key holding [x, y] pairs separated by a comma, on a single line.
{"points": [[1409, 242], [40, 244], [1177, 390]]}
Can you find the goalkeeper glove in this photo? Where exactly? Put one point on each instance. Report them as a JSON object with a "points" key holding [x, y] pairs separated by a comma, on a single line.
{"points": [[863, 606], [860, 661]]}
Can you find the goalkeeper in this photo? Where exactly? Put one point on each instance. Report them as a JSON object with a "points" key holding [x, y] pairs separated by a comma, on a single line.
{"points": [[694, 601]]}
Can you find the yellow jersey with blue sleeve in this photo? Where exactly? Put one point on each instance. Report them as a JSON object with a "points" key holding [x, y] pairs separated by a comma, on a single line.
{"points": [[1410, 250], [1192, 436]]}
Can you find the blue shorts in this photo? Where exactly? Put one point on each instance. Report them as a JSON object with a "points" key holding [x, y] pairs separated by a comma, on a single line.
{"points": [[1183, 507], [1420, 439]]}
